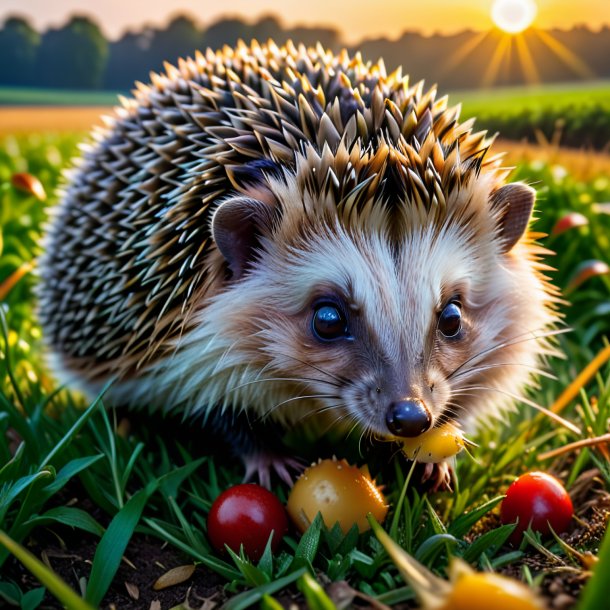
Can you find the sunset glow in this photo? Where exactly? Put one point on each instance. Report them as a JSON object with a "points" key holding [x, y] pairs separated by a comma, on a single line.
{"points": [[513, 16], [355, 20]]}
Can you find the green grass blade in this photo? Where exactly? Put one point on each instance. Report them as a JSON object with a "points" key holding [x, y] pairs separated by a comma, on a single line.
{"points": [[247, 598], [68, 515], [110, 550], [10, 593], [219, 566], [78, 424], [488, 543], [308, 545], [8, 357], [401, 500], [67, 472], [253, 575], [433, 546], [10, 492], [265, 563], [464, 522], [270, 603], [189, 532], [47, 577], [33, 598], [315, 596]]}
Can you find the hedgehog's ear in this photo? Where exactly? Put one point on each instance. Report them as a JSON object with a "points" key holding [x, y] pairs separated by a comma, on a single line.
{"points": [[237, 225], [513, 204]]}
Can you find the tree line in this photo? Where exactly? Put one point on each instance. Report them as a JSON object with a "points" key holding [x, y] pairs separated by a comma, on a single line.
{"points": [[77, 55]]}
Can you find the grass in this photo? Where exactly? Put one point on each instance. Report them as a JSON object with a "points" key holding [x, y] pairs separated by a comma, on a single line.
{"points": [[554, 95], [146, 483], [577, 114], [26, 96]]}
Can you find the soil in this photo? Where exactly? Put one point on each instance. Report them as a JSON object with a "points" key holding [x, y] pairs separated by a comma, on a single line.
{"points": [[70, 552]]}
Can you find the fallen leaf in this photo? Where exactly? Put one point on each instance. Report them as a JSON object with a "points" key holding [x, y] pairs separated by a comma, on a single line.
{"points": [[175, 576], [7, 285], [29, 184], [569, 221], [133, 590], [584, 271]]}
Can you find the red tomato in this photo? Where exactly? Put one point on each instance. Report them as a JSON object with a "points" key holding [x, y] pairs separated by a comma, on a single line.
{"points": [[538, 499], [246, 514]]}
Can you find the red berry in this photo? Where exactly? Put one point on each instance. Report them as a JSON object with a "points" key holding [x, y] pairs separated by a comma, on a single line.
{"points": [[539, 500], [246, 515]]}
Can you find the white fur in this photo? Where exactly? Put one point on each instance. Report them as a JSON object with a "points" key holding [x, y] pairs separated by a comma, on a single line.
{"points": [[216, 365]]}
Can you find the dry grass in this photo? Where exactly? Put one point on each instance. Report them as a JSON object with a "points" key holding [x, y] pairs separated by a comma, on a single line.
{"points": [[583, 164], [47, 119]]}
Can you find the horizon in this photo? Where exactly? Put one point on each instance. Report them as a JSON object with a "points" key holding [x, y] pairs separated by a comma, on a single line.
{"points": [[467, 15]]}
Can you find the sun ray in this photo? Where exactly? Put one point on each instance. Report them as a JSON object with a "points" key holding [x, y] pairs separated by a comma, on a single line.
{"points": [[465, 49], [496, 61], [564, 54], [526, 60]]}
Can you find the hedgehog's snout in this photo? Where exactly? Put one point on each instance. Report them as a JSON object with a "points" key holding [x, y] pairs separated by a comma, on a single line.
{"points": [[408, 417]]}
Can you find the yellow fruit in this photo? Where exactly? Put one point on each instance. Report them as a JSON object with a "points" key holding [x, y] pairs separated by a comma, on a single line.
{"points": [[434, 446], [340, 492], [483, 591]]}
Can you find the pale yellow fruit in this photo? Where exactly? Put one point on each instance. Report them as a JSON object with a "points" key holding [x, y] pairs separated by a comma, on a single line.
{"points": [[435, 445], [482, 591]]}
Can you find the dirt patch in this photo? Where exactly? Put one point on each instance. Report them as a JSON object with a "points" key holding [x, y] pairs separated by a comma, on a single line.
{"points": [[70, 553]]}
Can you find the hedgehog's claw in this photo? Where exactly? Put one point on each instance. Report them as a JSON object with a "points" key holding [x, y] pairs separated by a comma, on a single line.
{"points": [[440, 476], [263, 464]]}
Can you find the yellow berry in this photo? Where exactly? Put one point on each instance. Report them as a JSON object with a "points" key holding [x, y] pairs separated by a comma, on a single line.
{"points": [[435, 445]]}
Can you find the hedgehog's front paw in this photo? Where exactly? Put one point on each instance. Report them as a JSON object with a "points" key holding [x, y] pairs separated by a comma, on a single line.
{"points": [[263, 464], [439, 476]]}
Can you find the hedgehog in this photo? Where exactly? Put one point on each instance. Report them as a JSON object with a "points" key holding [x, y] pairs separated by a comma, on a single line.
{"points": [[264, 235]]}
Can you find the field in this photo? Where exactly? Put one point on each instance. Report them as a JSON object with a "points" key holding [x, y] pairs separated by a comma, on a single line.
{"points": [[546, 96], [572, 114], [54, 119], [15, 96], [81, 487]]}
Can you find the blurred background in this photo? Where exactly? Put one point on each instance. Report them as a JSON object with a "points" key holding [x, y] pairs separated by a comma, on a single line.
{"points": [[524, 67]]}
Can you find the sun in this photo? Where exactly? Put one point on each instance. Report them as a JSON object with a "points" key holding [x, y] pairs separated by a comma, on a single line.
{"points": [[513, 16]]}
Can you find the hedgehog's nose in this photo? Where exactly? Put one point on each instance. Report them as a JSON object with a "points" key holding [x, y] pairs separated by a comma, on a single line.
{"points": [[408, 417]]}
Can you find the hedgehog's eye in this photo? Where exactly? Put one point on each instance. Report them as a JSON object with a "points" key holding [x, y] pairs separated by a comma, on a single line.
{"points": [[328, 322], [450, 320]]}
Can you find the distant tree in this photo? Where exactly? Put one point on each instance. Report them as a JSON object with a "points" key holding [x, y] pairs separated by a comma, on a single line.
{"points": [[268, 27], [226, 31], [18, 45], [329, 38], [180, 38], [73, 56], [129, 59]]}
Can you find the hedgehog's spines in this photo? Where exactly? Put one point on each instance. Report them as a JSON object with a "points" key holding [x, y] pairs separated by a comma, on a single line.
{"points": [[368, 143]]}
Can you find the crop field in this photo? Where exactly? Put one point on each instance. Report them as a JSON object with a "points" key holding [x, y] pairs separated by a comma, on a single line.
{"points": [[13, 96], [555, 95], [571, 114], [106, 507]]}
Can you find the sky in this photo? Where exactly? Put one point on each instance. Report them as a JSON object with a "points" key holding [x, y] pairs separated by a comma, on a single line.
{"points": [[356, 19]]}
